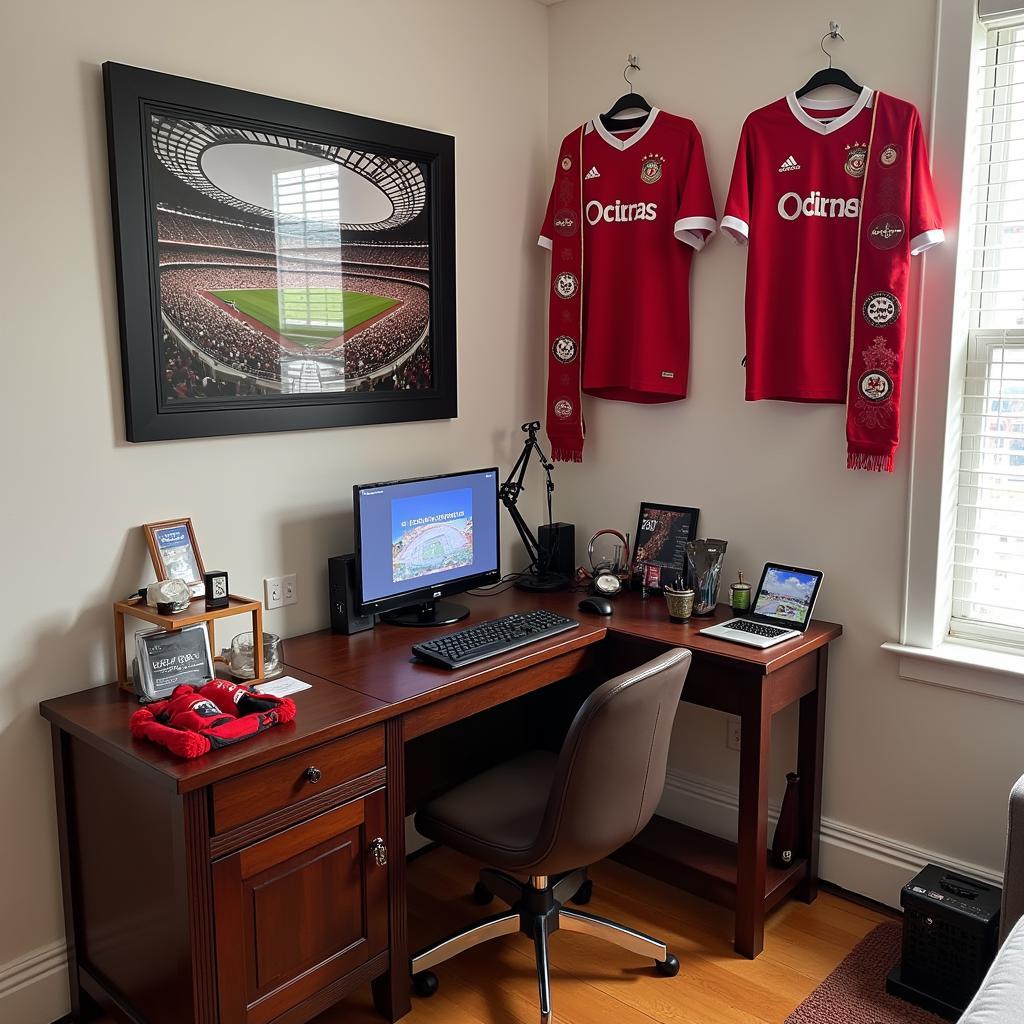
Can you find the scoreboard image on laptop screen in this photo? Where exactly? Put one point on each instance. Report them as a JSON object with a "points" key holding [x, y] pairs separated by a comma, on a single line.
{"points": [[786, 594]]}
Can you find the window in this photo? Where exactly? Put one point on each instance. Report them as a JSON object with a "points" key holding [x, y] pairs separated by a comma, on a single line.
{"points": [[988, 559]]}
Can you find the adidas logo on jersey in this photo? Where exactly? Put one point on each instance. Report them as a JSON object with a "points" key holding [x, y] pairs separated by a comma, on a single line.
{"points": [[592, 173], [789, 164]]}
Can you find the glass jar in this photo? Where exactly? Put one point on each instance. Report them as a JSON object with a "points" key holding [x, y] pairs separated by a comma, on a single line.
{"points": [[241, 656]]}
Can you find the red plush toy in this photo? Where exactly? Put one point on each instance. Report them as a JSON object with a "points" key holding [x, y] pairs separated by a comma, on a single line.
{"points": [[192, 722]]}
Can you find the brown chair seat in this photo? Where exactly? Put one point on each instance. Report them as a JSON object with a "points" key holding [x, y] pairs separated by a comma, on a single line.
{"points": [[496, 816]]}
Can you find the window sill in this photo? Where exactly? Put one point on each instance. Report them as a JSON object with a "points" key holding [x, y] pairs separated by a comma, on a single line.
{"points": [[963, 667]]}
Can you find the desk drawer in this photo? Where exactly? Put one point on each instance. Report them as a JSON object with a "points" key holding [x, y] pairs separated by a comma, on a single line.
{"points": [[294, 779]]}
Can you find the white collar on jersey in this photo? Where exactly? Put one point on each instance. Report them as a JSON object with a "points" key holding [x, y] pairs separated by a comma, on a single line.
{"points": [[615, 142], [799, 110]]}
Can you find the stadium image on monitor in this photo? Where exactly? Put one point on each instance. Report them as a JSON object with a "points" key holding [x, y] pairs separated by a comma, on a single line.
{"points": [[287, 265], [431, 533], [785, 594]]}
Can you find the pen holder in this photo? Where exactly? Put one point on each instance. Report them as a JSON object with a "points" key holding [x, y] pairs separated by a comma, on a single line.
{"points": [[704, 559], [680, 604]]}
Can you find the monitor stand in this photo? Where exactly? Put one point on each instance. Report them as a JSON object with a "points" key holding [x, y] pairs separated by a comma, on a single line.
{"points": [[427, 613]]}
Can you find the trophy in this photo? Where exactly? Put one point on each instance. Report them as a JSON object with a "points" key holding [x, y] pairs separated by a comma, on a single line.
{"points": [[704, 560]]}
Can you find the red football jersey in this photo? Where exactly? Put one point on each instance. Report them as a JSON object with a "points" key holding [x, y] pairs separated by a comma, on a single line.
{"points": [[795, 198], [647, 206]]}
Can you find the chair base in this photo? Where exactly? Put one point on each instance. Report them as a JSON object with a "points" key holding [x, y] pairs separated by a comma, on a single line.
{"points": [[537, 909]]}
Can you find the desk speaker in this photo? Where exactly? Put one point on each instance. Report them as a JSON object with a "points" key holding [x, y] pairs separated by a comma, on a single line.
{"points": [[557, 544], [341, 581]]}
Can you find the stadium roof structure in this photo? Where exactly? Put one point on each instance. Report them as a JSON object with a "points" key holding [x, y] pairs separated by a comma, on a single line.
{"points": [[180, 144]]}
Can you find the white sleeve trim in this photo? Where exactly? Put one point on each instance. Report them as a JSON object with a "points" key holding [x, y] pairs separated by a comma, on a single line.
{"points": [[924, 241], [738, 230], [545, 242], [688, 230]]}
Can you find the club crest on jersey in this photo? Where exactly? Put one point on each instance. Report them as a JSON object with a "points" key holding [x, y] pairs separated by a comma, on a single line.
{"points": [[886, 231], [566, 285], [875, 385], [564, 349], [889, 155], [565, 223], [563, 408], [881, 309], [650, 169], [856, 159], [566, 163]]}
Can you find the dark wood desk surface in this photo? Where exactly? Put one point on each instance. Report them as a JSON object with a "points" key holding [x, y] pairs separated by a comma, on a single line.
{"points": [[372, 676]]}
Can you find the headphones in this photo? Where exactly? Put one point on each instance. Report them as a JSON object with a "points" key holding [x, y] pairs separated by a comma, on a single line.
{"points": [[608, 574]]}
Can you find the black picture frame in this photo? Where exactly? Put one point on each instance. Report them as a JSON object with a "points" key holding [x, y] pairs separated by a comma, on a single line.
{"points": [[134, 98], [680, 525]]}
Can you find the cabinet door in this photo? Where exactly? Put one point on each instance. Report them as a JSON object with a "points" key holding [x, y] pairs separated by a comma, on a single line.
{"points": [[299, 910]]}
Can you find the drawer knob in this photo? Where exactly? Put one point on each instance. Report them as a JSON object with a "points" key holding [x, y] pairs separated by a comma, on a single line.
{"points": [[379, 851], [313, 775]]}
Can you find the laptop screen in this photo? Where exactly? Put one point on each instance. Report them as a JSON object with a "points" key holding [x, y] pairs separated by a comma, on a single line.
{"points": [[786, 595]]}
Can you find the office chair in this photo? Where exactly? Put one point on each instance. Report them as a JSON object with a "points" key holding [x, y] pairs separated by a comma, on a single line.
{"points": [[547, 816]]}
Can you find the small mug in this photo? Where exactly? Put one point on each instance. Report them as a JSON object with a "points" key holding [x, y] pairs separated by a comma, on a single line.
{"points": [[680, 604]]}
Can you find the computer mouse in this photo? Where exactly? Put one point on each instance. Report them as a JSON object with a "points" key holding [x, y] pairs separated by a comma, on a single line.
{"points": [[596, 605]]}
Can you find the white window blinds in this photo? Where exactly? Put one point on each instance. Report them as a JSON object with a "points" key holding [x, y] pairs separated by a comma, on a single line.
{"points": [[988, 570]]}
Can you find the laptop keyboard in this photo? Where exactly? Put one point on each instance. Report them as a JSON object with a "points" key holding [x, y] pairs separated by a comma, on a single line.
{"points": [[758, 628]]}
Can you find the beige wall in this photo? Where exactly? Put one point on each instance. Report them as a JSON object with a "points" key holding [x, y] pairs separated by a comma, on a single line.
{"points": [[911, 771], [74, 492]]}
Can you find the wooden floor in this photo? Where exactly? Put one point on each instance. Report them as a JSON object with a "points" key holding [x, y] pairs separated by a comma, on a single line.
{"points": [[596, 983]]}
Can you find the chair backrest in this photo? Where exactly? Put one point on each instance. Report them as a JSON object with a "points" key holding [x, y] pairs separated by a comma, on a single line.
{"points": [[611, 769]]}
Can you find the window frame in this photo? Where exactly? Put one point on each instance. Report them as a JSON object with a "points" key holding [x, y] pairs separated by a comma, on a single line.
{"points": [[925, 649]]}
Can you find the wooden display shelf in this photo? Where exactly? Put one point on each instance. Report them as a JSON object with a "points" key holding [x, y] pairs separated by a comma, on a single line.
{"points": [[195, 613], [702, 863]]}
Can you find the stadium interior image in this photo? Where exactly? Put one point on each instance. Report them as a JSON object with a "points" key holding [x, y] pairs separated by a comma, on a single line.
{"points": [[287, 266]]}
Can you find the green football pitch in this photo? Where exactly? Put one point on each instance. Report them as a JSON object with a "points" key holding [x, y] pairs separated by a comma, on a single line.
{"points": [[307, 316]]}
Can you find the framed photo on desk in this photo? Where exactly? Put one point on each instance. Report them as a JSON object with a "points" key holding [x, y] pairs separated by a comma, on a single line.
{"points": [[659, 555]]}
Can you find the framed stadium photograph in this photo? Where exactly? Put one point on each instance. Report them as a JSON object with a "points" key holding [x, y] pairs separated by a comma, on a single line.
{"points": [[279, 266]]}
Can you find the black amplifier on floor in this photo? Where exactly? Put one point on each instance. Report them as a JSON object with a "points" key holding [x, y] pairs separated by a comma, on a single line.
{"points": [[950, 937]]}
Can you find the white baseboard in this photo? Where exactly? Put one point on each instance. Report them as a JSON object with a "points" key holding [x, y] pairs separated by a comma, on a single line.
{"points": [[864, 862], [34, 988]]}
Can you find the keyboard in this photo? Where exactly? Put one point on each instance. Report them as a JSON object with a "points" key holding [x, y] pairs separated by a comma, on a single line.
{"points": [[496, 636], [758, 628]]}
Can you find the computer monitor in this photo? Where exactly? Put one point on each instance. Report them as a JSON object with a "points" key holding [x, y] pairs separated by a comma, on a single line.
{"points": [[420, 540]]}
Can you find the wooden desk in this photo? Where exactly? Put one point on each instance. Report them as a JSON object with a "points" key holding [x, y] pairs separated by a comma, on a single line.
{"points": [[184, 881]]}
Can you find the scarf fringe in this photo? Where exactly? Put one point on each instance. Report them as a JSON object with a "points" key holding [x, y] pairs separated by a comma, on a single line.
{"points": [[870, 462], [560, 454]]}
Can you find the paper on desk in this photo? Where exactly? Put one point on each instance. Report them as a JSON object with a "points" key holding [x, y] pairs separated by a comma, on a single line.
{"points": [[282, 686]]}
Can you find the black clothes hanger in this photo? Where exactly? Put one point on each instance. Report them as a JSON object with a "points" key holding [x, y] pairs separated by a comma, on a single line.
{"points": [[627, 101], [829, 75]]}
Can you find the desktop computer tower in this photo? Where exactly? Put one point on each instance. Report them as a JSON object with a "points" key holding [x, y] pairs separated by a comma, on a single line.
{"points": [[557, 544], [341, 582]]}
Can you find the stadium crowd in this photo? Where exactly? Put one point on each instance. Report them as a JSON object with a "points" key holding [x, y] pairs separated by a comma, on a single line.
{"points": [[243, 347]]}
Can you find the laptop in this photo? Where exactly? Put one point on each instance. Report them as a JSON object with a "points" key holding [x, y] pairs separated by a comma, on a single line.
{"points": [[780, 610]]}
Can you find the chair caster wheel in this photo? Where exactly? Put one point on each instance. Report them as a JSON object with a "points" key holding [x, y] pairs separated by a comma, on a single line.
{"points": [[669, 966], [583, 894], [425, 983], [482, 895]]}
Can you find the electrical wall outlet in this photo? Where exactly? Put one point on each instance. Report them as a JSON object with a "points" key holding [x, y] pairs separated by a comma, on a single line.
{"points": [[273, 592], [279, 591], [732, 732]]}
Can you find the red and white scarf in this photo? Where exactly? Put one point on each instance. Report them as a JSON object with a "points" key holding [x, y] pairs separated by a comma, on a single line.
{"points": [[878, 321], [565, 425]]}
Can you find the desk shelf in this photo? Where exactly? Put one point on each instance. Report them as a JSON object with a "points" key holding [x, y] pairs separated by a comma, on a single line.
{"points": [[701, 863]]}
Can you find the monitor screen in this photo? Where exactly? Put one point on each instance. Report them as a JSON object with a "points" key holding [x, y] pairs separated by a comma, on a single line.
{"points": [[786, 594], [423, 534]]}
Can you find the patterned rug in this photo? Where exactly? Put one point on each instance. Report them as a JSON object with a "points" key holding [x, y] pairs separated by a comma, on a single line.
{"points": [[854, 993]]}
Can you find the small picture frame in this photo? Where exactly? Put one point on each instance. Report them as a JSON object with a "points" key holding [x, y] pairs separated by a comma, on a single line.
{"points": [[215, 589], [169, 658], [659, 554], [175, 553]]}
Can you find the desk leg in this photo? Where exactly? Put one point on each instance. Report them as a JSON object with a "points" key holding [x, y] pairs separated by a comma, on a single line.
{"points": [[811, 744], [752, 833], [391, 996]]}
